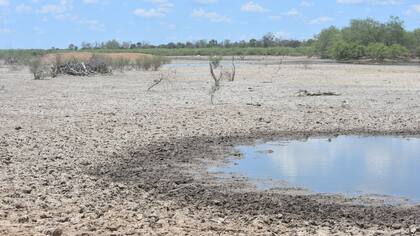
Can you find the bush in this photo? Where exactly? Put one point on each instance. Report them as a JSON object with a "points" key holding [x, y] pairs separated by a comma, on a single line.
{"points": [[397, 51], [120, 64], [143, 63], [215, 61], [377, 51], [342, 50], [158, 61], [417, 53], [380, 52], [151, 63], [325, 40], [36, 68]]}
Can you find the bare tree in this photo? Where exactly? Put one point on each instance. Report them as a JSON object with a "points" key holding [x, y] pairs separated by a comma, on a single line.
{"points": [[214, 63], [232, 76], [162, 77], [279, 66], [216, 86]]}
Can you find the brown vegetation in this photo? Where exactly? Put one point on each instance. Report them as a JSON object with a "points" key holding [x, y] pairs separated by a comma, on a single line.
{"points": [[85, 56]]}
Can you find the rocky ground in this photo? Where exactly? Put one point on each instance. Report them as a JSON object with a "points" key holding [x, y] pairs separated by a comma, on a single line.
{"points": [[104, 156]]}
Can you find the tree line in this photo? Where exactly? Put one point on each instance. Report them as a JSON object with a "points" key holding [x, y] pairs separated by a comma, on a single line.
{"points": [[363, 38], [268, 40], [368, 38]]}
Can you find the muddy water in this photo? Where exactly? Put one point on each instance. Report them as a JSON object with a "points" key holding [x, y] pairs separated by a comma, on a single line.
{"points": [[345, 164]]}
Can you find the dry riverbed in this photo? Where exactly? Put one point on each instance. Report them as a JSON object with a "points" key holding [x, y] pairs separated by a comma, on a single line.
{"points": [[102, 156]]}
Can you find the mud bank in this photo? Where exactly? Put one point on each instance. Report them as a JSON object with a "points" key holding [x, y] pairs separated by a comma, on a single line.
{"points": [[102, 155]]}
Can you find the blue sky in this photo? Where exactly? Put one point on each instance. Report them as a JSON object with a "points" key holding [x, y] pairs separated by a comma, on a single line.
{"points": [[57, 23]]}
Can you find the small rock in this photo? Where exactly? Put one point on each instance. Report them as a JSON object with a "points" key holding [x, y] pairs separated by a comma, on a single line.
{"points": [[413, 229], [27, 190], [396, 226], [24, 219], [18, 128], [57, 232], [44, 216], [64, 219], [19, 206], [113, 227], [85, 163]]}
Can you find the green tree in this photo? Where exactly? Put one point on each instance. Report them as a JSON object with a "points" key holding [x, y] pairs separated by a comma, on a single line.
{"points": [[364, 32], [342, 50], [416, 36], [268, 40], [325, 40], [112, 44], [394, 31], [417, 52], [377, 51], [397, 51]]}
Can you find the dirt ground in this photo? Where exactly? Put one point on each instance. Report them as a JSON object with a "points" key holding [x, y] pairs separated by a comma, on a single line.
{"points": [[102, 156]]}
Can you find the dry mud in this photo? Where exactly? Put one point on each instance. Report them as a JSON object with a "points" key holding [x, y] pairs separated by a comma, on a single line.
{"points": [[102, 156]]}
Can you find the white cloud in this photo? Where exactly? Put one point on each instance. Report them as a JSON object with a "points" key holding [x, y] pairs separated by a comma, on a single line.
{"points": [[206, 1], [4, 3], [275, 17], [350, 1], [162, 8], [54, 9], [211, 16], [148, 12], [61, 7], [306, 3], [416, 8], [5, 31], [293, 12], [253, 7], [90, 1], [23, 8], [373, 2], [63, 12], [320, 20]]}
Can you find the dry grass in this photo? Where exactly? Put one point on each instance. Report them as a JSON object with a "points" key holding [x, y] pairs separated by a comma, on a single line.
{"points": [[85, 56]]}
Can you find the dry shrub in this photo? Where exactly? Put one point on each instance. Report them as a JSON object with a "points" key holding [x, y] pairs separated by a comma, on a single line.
{"points": [[120, 64], [11, 60], [96, 64], [151, 63], [84, 64], [37, 68]]}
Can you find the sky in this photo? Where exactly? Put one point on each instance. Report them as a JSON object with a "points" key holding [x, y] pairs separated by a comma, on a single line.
{"points": [[57, 23]]}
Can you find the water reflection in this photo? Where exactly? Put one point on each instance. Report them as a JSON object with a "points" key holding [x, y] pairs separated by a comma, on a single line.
{"points": [[346, 164]]}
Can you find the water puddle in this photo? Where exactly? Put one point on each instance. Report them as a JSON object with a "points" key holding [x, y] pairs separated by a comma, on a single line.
{"points": [[345, 164]]}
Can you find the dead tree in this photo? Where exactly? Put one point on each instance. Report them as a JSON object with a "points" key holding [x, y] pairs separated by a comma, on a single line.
{"points": [[232, 77], [223, 74], [216, 86], [162, 77]]}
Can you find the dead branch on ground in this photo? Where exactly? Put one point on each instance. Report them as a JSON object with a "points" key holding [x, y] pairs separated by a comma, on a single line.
{"points": [[305, 93]]}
